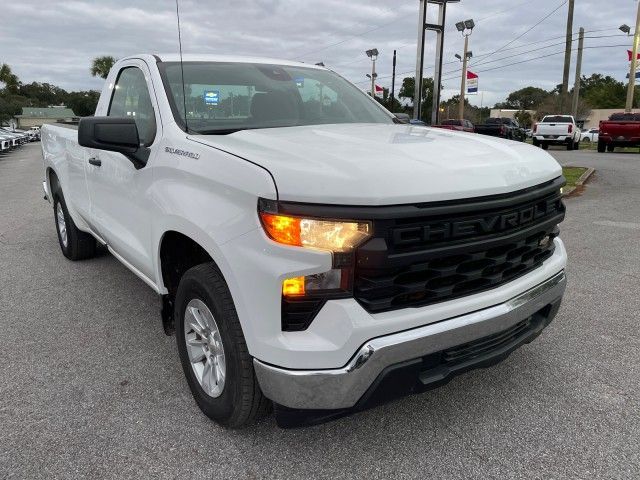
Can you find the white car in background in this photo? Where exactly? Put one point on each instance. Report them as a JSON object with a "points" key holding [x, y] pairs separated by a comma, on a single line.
{"points": [[590, 135]]}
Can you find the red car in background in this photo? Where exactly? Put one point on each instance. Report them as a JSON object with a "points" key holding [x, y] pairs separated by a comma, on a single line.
{"points": [[460, 125], [621, 130]]}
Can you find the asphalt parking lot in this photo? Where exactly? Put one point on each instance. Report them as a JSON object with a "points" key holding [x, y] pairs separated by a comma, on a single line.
{"points": [[91, 387]]}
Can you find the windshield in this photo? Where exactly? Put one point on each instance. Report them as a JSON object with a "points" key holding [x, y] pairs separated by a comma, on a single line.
{"points": [[224, 97], [557, 119]]}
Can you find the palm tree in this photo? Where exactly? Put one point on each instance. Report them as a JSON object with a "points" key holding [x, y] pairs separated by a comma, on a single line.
{"points": [[101, 65], [9, 78]]}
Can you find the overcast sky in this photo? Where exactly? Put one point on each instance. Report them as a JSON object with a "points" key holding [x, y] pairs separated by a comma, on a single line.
{"points": [[54, 41]]}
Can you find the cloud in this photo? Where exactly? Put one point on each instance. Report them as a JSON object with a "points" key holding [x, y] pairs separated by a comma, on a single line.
{"points": [[55, 41]]}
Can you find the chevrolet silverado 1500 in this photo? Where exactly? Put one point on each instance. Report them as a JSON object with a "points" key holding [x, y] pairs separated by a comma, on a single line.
{"points": [[556, 130], [310, 253]]}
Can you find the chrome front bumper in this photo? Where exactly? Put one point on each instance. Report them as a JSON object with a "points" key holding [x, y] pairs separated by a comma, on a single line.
{"points": [[342, 388]]}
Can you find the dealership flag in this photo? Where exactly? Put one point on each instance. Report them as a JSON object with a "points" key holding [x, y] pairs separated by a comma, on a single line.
{"points": [[379, 91], [630, 53], [472, 82]]}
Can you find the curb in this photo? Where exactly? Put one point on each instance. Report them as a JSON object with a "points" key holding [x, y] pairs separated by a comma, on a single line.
{"points": [[581, 181]]}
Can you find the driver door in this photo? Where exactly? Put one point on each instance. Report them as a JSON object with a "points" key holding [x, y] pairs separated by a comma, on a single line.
{"points": [[120, 208]]}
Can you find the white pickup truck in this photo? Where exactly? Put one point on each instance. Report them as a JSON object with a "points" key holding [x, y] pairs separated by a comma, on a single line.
{"points": [[557, 130], [310, 252]]}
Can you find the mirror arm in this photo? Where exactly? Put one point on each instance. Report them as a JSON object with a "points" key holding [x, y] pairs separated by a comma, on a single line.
{"points": [[140, 157]]}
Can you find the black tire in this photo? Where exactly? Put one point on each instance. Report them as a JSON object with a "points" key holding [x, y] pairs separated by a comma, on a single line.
{"points": [[545, 146], [79, 245], [570, 145], [536, 143], [241, 401], [610, 148], [601, 146], [586, 140], [576, 145]]}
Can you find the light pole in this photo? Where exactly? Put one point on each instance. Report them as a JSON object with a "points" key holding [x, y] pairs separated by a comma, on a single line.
{"points": [[634, 61], [465, 28], [373, 55]]}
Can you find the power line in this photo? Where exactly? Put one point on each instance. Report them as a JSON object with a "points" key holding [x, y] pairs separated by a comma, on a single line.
{"points": [[515, 63], [494, 14], [530, 28], [482, 55], [530, 51], [538, 58]]}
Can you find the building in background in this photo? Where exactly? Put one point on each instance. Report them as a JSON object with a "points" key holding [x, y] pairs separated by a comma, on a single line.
{"points": [[38, 116]]}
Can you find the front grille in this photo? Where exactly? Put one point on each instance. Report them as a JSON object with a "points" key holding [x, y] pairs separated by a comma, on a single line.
{"points": [[455, 249]]}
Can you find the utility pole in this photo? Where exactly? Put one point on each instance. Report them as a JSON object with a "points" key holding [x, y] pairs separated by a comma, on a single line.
{"points": [[437, 75], [417, 94], [373, 55], [373, 79], [393, 79], [567, 56], [576, 86], [464, 77], [634, 61]]}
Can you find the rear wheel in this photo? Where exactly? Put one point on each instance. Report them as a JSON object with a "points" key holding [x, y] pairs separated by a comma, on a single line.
{"points": [[545, 146], [610, 148], [576, 145], [536, 143], [213, 351], [74, 243], [601, 146], [570, 145]]}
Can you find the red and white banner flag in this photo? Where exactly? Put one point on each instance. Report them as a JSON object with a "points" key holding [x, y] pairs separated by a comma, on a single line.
{"points": [[630, 53], [379, 91], [472, 82]]}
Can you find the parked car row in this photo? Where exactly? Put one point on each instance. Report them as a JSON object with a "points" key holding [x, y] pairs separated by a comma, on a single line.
{"points": [[621, 130], [11, 138]]}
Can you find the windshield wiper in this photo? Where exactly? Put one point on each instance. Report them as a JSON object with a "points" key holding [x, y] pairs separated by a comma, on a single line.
{"points": [[221, 131]]}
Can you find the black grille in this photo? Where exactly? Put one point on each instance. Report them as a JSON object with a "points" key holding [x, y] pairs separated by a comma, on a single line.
{"points": [[440, 256], [484, 346], [297, 313]]}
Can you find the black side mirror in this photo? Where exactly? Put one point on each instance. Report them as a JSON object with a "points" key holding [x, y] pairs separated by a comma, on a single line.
{"points": [[114, 134]]}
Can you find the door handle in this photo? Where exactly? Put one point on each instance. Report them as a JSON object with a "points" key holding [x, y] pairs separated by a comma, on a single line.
{"points": [[95, 161]]}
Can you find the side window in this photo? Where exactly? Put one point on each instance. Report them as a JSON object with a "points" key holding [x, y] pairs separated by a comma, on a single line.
{"points": [[131, 99]]}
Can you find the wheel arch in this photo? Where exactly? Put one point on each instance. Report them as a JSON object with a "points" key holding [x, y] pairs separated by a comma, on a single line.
{"points": [[200, 248]]}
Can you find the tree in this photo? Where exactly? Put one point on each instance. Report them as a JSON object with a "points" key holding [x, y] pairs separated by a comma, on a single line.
{"points": [[407, 90], [551, 106], [524, 118], [524, 99], [603, 91], [101, 65], [83, 104], [10, 79]]}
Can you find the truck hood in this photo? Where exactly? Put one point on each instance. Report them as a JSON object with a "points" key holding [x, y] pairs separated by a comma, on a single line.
{"points": [[370, 164]]}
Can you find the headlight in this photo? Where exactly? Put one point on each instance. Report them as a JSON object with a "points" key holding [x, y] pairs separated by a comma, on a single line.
{"points": [[333, 235]]}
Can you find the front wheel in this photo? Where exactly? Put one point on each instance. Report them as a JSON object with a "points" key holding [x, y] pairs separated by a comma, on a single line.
{"points": [[213, 351]]}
